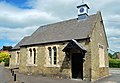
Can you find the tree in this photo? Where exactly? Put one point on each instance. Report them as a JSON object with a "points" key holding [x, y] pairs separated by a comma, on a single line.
{"points": [[6, 48], [110, 55], [4, 56]]}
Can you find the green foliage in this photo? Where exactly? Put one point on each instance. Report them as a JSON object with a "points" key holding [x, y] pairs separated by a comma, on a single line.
{"points": [[113, 56], [6, 62], [110, 55], [114, 63], [4, 56]]}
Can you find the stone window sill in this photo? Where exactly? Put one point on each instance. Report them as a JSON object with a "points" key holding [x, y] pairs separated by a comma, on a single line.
{"points": [[17, 64], [31, 64], [103, 66], [51, 65]]}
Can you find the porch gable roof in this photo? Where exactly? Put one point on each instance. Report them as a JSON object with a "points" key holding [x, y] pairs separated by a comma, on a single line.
{"points": [[74, 44]]}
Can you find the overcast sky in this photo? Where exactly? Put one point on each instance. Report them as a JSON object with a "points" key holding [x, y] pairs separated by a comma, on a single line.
{"points": [[19, 18]]}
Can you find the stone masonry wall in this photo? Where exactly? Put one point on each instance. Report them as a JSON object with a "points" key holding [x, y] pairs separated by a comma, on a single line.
{"points": [[98, 37], [62, 70], [40, 67], [13, 59]]}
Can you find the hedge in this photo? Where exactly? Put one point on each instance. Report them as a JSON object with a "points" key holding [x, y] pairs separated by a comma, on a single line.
{"points": [[114, 63]]}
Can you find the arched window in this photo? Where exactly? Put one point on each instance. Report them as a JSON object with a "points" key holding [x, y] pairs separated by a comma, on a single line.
{"points": [[30, 50], [50, 55], [55, 55], [34, 55]]}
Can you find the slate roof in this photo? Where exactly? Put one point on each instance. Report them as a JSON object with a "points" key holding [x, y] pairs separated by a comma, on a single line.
{"points": [[63, 31], [20, 43]]}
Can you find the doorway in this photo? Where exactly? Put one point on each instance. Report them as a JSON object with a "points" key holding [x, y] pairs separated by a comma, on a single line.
{"points": [[77, 66]]}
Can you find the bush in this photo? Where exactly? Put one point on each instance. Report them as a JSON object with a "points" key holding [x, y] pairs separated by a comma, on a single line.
{"points": [[114, 63], [4, 56], [6, 61]]}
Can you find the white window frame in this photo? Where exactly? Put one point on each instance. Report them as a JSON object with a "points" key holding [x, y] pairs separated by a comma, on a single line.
{"points": [[47, 61], [50, 55], [17, 59], [101, 55], [30, 56], [30, 62]]}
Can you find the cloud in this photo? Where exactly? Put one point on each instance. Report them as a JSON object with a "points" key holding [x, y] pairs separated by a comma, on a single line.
{"points": [[60, 8], [15, 17], [115, 39], [112, 7], [114, 45], [16, 34], [15, 22], [113, 31]]}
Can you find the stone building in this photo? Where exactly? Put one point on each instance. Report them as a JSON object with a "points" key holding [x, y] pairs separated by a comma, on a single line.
{"points": [[118, 55], [15, 54], [75, 48]]}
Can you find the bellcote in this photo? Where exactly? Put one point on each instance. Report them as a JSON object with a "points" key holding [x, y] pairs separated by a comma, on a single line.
{"points": [[82, 11]]}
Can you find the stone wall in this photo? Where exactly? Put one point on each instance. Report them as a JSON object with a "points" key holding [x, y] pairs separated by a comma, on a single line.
{"points": [[87, 66], [91, 69], [13, 59], [40, 67], [23, 59], [98, 37], [62, 70]]}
